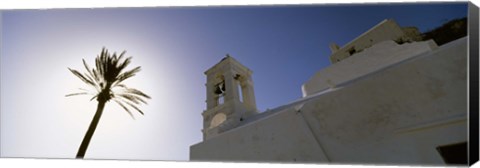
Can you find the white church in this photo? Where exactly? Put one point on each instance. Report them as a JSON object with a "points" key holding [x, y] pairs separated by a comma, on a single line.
{"points": [[387, 98]]}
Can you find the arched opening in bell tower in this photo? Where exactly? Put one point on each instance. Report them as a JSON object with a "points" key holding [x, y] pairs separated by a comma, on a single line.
{"points": [[220, 93]]}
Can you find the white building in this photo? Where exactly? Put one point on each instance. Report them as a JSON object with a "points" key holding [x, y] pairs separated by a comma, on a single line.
{"points": [[388, 29], [389, 104]]}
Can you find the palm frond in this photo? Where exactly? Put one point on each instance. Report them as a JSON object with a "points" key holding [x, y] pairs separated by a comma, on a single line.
{"points": [[134, 99], [131, 91], [125, 108], [134, 107], [137, 92], [91, 75], [75, 94], [93, 97], [79, 75], [98, 78], [127, 75], [125, 63], [87, 67], [121, 55], [120, 85]]}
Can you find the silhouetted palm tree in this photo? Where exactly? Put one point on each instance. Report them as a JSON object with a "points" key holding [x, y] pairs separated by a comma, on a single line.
{"points": [[106, 78]]}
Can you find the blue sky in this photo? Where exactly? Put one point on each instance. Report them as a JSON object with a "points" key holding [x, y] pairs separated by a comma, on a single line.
{"points": [[283, 45]]}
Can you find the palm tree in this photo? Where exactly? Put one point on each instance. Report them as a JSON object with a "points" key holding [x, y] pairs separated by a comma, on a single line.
{"points": [[106, 79]]}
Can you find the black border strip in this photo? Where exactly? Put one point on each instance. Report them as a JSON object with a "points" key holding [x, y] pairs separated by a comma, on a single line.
{"points": [[473, 82]]}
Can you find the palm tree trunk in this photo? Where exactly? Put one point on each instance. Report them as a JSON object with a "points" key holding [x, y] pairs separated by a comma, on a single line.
{"points": [[91, 130]]}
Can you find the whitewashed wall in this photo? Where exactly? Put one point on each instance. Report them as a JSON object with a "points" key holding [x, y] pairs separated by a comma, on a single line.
{"points": [[398, 115]]}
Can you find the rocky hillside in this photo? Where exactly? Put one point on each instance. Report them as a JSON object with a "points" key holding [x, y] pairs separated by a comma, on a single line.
{"points": [[449, 31]]}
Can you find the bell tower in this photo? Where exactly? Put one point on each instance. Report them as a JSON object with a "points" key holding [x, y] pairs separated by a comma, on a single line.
{"points": [[230, 97]]}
